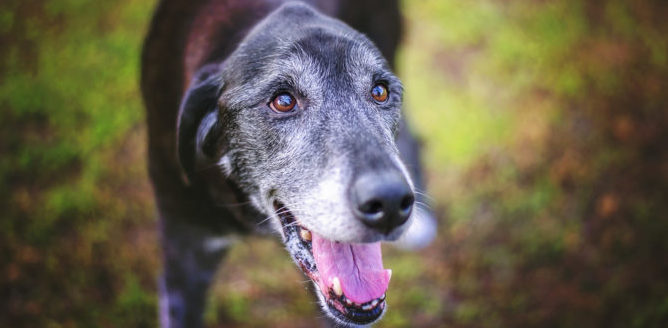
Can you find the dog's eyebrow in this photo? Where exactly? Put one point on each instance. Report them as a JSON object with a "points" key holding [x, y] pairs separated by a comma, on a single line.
{"points": [[281, 83], [384, 75], [388, 77], [268, 88]]}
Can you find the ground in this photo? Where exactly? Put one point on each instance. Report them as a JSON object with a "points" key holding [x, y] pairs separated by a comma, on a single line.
{"points": [[544, 133]]}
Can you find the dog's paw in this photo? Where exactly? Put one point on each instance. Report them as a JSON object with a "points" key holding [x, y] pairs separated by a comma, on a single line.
{"points": [[421, 232]]}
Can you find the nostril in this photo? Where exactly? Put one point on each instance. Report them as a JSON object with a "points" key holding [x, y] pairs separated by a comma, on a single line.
{"points": [[372, 211], [407, 202], [373, 206]]}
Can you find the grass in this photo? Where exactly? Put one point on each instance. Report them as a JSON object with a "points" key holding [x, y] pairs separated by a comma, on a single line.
{"points": [[543, 130]]}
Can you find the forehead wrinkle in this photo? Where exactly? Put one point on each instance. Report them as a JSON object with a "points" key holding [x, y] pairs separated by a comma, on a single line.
{"points": [[295, 70], [303, 69]]}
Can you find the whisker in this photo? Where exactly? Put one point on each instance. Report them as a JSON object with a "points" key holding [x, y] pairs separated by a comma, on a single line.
{"points": [[425, 195], [264, 220], [423, 205]]}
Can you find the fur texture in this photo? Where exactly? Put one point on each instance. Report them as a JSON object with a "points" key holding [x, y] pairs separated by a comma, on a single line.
{"points": [[231, 158]]}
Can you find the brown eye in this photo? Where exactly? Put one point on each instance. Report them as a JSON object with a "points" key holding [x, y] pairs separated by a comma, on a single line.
{"points": [[283, 103], [379, 93]]}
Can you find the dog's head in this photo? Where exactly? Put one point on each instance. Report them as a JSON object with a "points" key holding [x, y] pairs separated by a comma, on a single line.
{"points": [[302, 117]]}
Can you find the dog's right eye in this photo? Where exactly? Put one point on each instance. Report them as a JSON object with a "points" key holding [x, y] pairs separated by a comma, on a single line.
{"points": [[283, 103]]}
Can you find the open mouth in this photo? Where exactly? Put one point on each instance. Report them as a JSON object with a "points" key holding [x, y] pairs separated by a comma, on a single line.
{"points": [[350, 278]]}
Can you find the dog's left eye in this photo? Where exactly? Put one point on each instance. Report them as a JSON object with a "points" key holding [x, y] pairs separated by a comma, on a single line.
{"points": [[379, 93], [283, 103]]}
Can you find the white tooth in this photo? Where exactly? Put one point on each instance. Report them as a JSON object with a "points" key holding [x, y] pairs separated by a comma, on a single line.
{"points": [[374, 303], [366, 307], [336, 286], [306, 235], [389, 273], [382, 297], [349, 302]]}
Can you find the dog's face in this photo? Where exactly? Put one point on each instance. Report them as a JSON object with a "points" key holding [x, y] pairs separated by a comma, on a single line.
{"points": [[306, 111]]}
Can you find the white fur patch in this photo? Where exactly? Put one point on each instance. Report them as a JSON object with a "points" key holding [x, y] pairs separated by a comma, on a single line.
{"points": [[327, 211], [225, 163]]}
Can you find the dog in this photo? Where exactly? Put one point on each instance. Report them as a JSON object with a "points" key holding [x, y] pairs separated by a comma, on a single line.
{"points": [[275, 117]]}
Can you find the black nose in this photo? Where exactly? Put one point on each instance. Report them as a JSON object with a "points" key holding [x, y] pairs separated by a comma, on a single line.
{"points": [[382, 200]]}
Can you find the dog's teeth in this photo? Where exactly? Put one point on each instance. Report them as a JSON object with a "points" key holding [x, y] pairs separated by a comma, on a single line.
{"points": [[367, 307], [349, 302], [382, 298], [374, 303], [336, 286], [305, 234]]}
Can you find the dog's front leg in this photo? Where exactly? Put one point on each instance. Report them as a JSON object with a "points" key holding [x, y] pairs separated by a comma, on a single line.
{"points": [[191, 257]]}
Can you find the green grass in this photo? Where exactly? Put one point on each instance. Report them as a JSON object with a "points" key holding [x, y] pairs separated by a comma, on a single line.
{"points": [[70, 110], [544, 132]]}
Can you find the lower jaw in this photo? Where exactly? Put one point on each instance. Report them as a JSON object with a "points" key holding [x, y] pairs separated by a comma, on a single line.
{"points": [[338, 306], [357, 314]]}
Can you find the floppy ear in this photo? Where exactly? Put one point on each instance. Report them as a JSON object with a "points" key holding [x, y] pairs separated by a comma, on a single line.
{"points": [[199, 130]]}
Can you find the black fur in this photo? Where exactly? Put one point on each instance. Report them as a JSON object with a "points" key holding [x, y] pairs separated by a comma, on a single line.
{"points": [[227, 147]]}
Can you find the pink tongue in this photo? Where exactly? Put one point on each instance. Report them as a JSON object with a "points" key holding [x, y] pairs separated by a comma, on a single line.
{"points": [[359, 268]]}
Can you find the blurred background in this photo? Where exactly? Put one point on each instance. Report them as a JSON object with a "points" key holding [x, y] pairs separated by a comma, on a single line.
{"points": [[545, 141]]}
